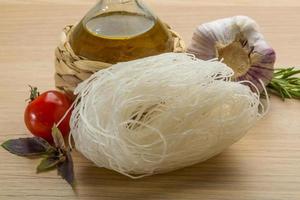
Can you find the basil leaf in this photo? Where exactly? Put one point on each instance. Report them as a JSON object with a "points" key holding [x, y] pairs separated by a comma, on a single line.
{"points": [[66, 169], [49, 163], [27, 147], [58, 138]]}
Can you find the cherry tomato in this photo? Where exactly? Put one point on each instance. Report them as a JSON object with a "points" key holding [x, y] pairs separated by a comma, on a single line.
{"points": [[44, 111]]}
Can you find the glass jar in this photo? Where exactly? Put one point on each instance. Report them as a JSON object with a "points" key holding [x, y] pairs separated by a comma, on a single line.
{"points": [[120, 30]]}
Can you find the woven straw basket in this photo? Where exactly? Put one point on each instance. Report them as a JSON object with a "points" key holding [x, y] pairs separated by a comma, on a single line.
{"points": [[72, 69]]}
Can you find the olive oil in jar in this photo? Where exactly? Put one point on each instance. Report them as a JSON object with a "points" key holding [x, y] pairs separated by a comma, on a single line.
{"points": [[118, 35]]}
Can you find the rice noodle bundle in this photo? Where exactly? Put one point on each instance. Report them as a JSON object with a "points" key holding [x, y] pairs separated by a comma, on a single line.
{"points": [[160, 113]]}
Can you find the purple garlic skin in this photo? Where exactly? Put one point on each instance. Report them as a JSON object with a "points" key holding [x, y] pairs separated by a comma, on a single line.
{"points": [[238, 42]]}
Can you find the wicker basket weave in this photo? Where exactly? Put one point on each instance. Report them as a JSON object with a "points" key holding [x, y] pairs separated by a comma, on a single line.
{"points": [[72, 69]]}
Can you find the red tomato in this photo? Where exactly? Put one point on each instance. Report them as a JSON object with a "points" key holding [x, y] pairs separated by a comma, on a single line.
{"points": [[44, 111]]}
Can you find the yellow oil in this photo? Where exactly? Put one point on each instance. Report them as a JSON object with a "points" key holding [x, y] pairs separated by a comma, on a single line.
{"points": [[120, 36]]}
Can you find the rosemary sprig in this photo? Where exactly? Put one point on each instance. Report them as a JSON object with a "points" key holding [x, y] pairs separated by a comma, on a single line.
{"points": [[285, 84]]}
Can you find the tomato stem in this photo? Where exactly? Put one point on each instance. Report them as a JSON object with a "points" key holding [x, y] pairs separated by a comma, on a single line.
{"points": [[34, 93]]}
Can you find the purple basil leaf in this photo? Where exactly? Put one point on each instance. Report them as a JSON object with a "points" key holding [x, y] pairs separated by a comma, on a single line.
{"points": [[28, 146], [49, 163], [66, 169]]}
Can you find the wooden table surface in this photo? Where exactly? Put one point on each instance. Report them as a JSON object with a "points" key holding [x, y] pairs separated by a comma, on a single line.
{"points": [[264, 165]]}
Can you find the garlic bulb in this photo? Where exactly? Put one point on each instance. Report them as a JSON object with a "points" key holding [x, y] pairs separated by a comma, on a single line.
{"points": [[238, 42]]}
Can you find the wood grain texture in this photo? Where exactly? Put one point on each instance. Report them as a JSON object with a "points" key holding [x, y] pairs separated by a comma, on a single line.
{"points": [[265, 165]]}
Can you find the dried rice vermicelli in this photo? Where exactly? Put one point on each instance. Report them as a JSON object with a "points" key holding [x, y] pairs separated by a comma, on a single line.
{"points": [[161, 113]]}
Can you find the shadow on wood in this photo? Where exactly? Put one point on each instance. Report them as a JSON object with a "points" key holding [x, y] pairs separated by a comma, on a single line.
{"points": [[216, 173]]}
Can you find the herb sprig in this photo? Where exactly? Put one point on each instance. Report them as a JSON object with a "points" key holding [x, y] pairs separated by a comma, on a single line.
{"points": [[57, 156], [285, 84]]}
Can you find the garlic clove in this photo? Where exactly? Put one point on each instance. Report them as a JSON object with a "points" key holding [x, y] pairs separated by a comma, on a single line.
{"points": [[238, 42]]}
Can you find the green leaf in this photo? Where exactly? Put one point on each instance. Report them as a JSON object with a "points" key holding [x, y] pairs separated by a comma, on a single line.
{"points": [[58, 138], [49, 163], [28, 147], [56, 157], [290, 73], [285, 83], [66, 169]]}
